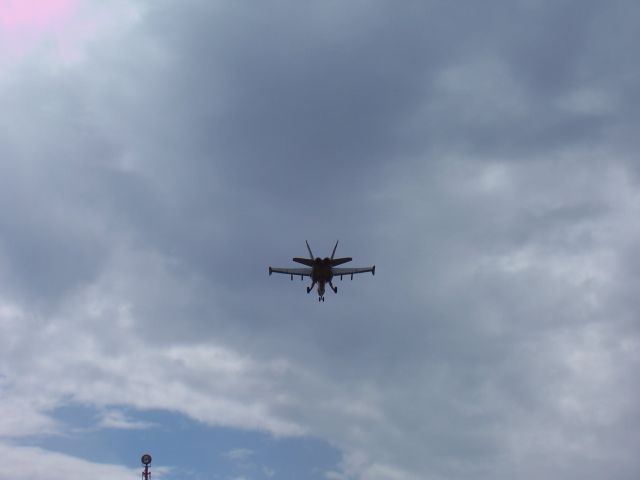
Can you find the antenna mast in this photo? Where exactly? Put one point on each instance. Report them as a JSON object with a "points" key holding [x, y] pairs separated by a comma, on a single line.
{"points": [[146, 460]]}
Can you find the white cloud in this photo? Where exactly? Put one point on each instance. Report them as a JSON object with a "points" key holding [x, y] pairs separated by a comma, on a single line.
{"points": [[238, 454], [31, 462], [117, 419], [269, 472]]}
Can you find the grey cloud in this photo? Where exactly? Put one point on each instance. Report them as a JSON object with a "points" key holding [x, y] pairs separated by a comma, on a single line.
{"points": [[478, 155]]}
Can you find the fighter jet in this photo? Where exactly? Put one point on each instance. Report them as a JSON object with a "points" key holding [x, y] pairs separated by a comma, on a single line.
{"points": [[322, 270]]}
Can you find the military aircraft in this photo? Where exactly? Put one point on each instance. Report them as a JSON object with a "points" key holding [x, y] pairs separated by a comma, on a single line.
{"points": [[322, 270]]}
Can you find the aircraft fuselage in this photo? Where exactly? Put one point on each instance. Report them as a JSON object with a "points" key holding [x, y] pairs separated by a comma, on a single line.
{"points": [[321, 273]]}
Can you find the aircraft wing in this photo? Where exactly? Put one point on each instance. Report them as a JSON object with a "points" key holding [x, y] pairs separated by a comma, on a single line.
{"points": [[339, 272], [303, 272]]}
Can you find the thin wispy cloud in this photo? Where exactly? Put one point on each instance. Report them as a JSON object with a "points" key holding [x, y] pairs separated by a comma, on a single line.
{"points": [[238, 454], [118, 419]]}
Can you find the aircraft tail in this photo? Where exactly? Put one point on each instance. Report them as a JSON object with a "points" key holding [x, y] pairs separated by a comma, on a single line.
{"points": [[334, 250], [310, 262], [338, 261], [306, 261]]}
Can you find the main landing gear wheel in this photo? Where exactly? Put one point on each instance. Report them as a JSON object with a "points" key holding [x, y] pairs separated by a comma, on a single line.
{"points": [[313, 284]]}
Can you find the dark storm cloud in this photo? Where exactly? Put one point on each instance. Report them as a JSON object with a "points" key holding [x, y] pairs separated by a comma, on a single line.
{"points": [[298, 108], [48, 243], [301, 98], [287, 100]]}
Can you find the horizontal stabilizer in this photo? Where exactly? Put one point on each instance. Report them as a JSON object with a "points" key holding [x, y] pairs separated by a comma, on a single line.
{"points": [[304, 261], [339, 261]]}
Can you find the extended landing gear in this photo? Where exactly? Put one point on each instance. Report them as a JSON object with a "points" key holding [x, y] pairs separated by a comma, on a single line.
{"points": [[313, 284], [335, 289], [321, 299]]}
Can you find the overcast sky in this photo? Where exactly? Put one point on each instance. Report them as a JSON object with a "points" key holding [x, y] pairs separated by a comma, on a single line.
{"points": [[157, 156]]}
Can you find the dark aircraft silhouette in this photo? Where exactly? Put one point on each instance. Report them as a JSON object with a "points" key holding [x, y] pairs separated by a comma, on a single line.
{"points": [[322, 270]]}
